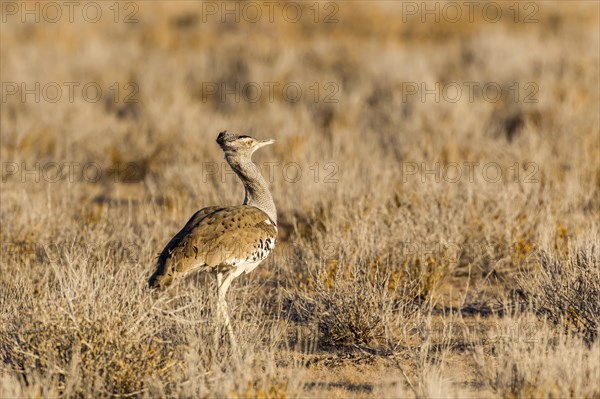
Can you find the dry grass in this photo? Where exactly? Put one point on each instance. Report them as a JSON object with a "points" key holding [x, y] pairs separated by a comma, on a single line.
{"points": [[392, 276], [567, 289], [542, 367]]}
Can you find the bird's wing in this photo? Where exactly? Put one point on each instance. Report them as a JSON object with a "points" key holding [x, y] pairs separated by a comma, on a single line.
{"points": [[216, 236], [177, 253]]}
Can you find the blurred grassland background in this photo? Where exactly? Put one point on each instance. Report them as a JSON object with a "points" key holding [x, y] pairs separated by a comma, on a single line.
{"points": [[387, 281]]}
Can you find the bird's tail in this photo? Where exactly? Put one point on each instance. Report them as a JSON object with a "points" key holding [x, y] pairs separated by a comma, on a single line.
{"points": [[160, 278]]}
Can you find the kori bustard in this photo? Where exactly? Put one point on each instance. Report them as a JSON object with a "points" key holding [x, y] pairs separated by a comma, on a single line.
{"points": [[226, 240]]}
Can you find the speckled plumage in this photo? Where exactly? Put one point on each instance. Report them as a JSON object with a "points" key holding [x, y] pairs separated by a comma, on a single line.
{"points": [[216, 237]]}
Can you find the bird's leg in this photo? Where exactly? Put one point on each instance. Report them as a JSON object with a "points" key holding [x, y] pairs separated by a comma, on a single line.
{"points": [[223, 286], [219, 314]]}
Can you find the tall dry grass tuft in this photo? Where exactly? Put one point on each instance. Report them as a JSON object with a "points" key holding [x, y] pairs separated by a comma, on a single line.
{"points": [[353, 304], [565, 288]]}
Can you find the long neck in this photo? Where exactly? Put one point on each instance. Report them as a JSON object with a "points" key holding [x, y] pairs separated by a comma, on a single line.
{"points": [[257, 190]]}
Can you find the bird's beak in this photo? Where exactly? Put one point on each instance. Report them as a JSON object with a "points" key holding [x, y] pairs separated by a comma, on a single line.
{"points": [[263, 143]]}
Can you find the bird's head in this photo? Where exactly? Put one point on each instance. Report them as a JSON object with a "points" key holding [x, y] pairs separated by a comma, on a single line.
{"points": [[240, 146]]}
